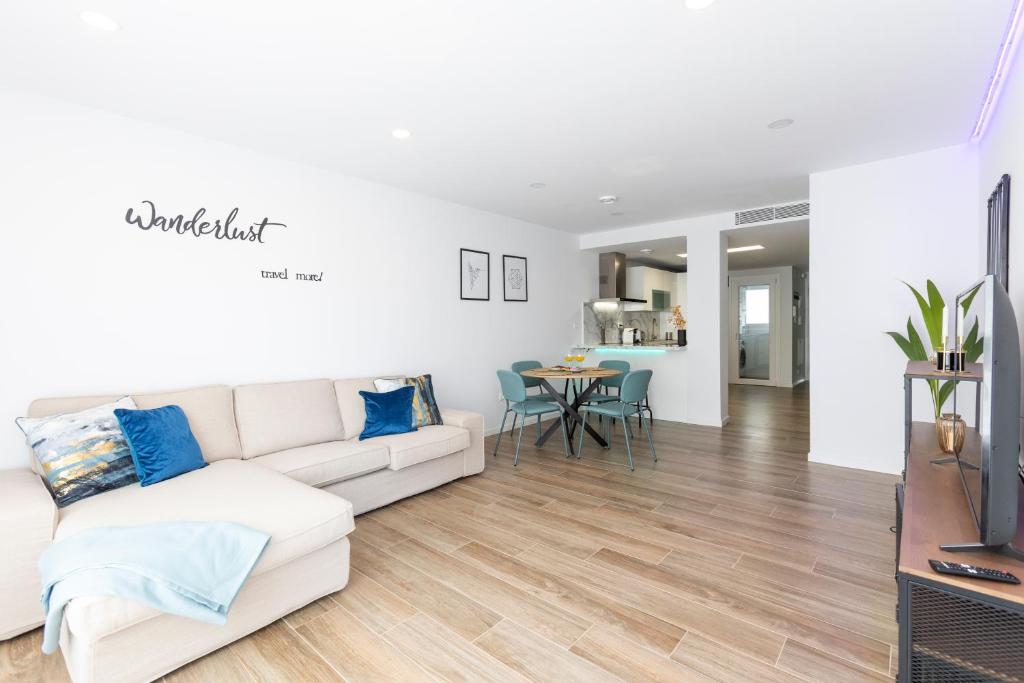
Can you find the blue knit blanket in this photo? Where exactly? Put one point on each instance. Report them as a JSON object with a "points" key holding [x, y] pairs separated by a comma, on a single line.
{"points": [[192, 569]]}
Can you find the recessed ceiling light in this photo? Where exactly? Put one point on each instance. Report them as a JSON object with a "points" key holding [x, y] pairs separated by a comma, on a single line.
{"points": [[538, 185], [99, 21], [733, 250], [698, 4], [616, 213], [401, 133], [646, 251], [608, 199], [780, 123]]}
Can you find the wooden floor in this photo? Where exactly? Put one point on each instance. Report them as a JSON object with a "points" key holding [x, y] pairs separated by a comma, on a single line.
{"points": [[731, 559]]}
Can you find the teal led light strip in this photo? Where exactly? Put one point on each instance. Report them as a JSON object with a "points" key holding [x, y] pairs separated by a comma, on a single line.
{"points": [[631, 350]]}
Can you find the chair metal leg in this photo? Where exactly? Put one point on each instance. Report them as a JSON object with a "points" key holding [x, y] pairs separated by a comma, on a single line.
{"points": [[647, 428], [565, 435], [608, 433], [500, 431], [629, 446], [519, 440], [538, 426], [579, 450]]}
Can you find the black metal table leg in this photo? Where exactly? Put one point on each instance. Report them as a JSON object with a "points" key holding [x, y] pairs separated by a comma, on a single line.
{"points": [[572, 411]]}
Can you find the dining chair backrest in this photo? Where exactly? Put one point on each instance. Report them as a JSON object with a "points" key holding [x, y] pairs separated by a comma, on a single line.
{"points": [[521, 365], [512, 386], [634, 386], [620, 365]]}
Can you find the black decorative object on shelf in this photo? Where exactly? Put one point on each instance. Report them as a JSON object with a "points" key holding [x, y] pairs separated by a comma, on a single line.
{"points": [[681, 337]]}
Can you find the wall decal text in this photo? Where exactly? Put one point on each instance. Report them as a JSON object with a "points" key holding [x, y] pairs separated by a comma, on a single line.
{"points": [[148, 218], [283, 275]]}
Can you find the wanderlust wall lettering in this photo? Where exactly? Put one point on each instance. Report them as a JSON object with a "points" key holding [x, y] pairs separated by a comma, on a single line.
{"points": [[148, 218]]}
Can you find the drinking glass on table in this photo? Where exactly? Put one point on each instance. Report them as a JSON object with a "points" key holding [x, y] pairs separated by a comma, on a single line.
{"points": [[568, 360], [580, 358]]}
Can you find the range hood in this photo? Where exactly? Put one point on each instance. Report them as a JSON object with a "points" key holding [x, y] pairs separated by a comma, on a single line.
{"points": [[611, 279]]}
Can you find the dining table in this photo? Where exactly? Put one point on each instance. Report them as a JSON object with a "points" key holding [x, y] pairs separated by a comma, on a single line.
{"points": [[571, 410]]}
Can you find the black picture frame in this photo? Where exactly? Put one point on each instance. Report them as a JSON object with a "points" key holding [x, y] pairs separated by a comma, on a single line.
{"points": [[483, 275], [506, 283], [999, 232]]}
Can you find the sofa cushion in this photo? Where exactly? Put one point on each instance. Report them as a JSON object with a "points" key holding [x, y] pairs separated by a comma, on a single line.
{"points": [[211, 415], [350, 403], [326, 463], [424, 444], [210, 412], [298, 518], [276, 417]]}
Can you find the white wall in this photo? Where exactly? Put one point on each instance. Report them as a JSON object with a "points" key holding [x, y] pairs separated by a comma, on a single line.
{"points": [[909, 218], [1002, 151], [94, 305], [705, 370]]}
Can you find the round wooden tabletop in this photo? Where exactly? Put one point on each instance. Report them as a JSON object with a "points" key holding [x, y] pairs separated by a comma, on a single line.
{"points": [[592, 372]]}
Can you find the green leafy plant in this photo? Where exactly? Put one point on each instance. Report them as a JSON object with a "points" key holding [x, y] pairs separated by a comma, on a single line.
{"points": [[913, 347]]}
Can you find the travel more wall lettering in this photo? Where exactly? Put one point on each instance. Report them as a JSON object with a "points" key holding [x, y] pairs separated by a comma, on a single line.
{"points": [[147, 218]]}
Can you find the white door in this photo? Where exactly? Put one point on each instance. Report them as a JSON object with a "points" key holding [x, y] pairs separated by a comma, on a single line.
{"points": [[754, 316]]}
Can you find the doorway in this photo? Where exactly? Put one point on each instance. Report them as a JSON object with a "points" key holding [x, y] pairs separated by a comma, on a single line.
{"points": [[755, 326]]}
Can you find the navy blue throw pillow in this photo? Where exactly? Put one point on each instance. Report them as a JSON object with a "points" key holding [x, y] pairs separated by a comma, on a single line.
{"points": [[161, 443], [388, 412]]}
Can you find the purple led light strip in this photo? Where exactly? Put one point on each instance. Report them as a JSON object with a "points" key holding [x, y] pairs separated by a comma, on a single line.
{"points": [[1001, 70]]}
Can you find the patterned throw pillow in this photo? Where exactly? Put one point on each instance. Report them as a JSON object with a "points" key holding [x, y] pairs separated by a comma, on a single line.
{"points": [[81, 454], [424, 407]]}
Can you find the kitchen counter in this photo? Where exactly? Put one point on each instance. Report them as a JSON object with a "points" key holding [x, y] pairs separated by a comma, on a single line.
{"points": [[646, 346]]}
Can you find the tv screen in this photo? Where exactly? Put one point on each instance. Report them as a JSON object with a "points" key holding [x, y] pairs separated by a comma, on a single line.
{"points": [[987, 328]]}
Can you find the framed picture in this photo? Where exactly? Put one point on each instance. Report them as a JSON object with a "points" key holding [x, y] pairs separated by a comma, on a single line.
{"points": [[475, 275], [999, 232], [514, 278]]}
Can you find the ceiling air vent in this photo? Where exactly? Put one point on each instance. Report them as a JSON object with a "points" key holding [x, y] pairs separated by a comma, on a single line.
{"points": [[755, 215], [792, 210], [773, 213]]}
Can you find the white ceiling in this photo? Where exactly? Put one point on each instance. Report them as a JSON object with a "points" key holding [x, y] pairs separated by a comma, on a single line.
{"points": [[665, 107], [785, 244]]}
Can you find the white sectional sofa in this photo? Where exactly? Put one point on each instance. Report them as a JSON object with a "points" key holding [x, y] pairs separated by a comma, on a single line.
{"points": [[277, 452]]}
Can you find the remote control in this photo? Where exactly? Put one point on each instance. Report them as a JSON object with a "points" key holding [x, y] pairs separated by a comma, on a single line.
{"points": [[972, 572]]}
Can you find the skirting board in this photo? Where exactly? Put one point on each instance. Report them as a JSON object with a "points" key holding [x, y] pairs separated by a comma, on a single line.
{"points": [[552, 416]]}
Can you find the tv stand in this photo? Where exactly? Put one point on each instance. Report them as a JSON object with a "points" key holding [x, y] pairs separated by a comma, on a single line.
{"points": [[1008, 549], [952, 628]]}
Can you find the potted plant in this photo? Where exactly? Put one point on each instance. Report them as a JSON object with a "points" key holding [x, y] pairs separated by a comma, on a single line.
{"points": [[680, 322], [949, 428]]}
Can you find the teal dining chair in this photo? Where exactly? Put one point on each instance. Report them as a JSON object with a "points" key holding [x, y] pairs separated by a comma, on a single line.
{"points": [[610, 382], [631, 394], [531, 382], [521, 404]]}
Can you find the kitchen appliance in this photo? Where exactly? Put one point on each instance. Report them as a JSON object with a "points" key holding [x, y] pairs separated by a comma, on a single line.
{"points": [[611, 278], [629, 335]]}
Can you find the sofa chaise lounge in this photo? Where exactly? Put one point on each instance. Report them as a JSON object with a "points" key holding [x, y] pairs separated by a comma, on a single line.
{"points": [[276, 454]]}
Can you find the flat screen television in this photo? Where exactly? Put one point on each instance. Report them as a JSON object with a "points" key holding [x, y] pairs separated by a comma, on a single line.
{"points": [[990, 472]]}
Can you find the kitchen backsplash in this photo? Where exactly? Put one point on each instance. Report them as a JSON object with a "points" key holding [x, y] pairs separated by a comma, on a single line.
{"points": [[609, 317]]}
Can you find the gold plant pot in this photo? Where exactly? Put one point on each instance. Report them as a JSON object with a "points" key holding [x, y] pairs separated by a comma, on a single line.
{"points": [[950, 429]]}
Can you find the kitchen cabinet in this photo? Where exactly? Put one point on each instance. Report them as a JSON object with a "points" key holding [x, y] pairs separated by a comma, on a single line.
{"points": [[657, 287]]}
